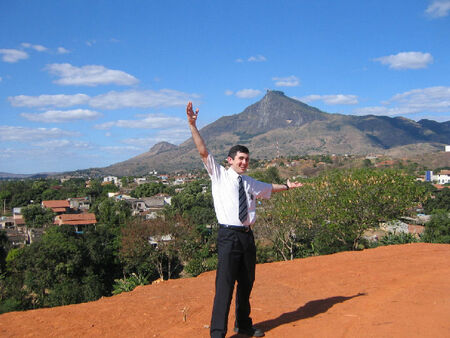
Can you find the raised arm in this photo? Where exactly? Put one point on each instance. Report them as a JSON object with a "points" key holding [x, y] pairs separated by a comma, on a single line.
{"points": [[287, 186], [198, 140]]}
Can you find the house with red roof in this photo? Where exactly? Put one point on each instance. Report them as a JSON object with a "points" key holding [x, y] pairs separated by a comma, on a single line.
{"points": [[79, 221], [57, 206]]}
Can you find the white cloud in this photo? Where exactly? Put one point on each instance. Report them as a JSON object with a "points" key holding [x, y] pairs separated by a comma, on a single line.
{"points": [[24, 134], [406, 60], [13, 55], [62, 144], [121, 149], [62, 50], [438, 8], [377, 110], [417, 101], [174, 136], [248, 93], [141, 142], [56, 116], [59, 100], [434, 99], [7, 153], [228, 92], [38, 48], [289, 81], [257, 58], [149, 121], [141, 99], [90, 75], [331, 99], [110, 100]]}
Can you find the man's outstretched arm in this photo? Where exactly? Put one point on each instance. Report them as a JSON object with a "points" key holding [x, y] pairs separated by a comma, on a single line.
{"points": [[287, 186], [198, 140]]}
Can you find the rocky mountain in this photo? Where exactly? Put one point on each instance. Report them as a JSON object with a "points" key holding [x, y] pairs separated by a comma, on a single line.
{"points": [[279, 125]]}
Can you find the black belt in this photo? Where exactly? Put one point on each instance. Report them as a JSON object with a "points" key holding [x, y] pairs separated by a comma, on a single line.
{"points": [[243, 228]]}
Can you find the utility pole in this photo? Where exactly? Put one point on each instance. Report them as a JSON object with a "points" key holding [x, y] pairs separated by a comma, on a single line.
{"points": [[278, 150]]}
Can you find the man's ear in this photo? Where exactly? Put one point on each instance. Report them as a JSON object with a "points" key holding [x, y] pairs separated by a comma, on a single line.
{"points": [[230, 160]]}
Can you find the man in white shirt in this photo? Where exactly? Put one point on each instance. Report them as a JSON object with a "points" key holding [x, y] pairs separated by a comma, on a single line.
{"points": [[234, 196]]}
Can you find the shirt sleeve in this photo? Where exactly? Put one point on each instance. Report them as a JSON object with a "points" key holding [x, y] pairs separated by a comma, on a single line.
{"points": [[259, 189], [212, 167]]}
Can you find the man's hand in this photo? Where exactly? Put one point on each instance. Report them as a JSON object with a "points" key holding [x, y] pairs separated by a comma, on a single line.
{"points": [[293, 185], [191, 115], [287, 186], [196, 137]]}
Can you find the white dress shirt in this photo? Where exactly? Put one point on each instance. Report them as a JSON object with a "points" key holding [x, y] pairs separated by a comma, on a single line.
{"points": [[225, 192]]}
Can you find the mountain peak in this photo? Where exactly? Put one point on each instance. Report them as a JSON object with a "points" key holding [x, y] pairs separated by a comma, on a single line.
{"points": [[161, 147], [271, 92]]}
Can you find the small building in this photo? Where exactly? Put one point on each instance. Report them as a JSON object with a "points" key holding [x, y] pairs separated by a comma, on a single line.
{"points": [[80, 203], [149, 204], [442, 178], [111, 179], [79, 221], [18, 221], [16, 237], [6, 222], [57, 206], [140, 180], [155, 240]]}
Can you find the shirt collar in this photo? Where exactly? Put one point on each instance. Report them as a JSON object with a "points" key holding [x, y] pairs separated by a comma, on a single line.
{"points": [[233, 173]]}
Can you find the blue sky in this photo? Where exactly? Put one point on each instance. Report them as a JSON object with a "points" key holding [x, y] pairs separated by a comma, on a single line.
{"points": [[91, 83]]}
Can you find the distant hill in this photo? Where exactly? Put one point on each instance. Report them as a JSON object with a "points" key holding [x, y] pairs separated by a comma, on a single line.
{"points": [[279, 125], [6, 176]]}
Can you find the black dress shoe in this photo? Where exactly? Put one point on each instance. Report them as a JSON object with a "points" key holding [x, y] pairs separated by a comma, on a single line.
{"points": [[251, 332]]}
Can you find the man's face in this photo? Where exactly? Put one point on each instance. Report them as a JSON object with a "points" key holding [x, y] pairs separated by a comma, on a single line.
{"points": [[239, 163]]}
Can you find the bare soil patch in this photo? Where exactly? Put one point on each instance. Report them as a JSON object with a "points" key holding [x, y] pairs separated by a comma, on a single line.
{"points": [[394, 291]]}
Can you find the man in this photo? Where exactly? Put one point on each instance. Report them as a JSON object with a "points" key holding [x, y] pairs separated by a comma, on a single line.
{"points": [[234, 197]]}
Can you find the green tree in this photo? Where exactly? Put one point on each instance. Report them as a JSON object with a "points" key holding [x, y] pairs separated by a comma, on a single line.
{"points": [[367, 163], [270, 175], [441, 200], [37, 217], [62, 268], [4, 248], [5, 198], [437, 230], [135, 249], [111, 212], [330, 213], [148, 190], [193, 203], [198, 249]]}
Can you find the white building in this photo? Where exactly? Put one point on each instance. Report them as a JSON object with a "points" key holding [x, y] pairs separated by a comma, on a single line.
{"points": [[447, 148], [113, 179], [442, 178]]}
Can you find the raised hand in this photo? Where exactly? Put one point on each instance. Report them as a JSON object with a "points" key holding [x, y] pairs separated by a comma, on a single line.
{"points": [[191, 115]]}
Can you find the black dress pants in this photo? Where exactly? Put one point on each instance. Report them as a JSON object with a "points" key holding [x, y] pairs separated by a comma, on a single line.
{"points": [[237, 259]]}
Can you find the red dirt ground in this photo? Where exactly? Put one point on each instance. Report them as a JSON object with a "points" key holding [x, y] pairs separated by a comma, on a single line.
{"points": [[394, 291]]}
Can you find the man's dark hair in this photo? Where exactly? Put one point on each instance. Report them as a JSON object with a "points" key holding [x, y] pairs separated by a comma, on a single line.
{"points": [[237, 148]]}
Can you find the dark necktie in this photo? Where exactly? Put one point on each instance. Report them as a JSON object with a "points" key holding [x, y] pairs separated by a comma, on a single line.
{"points": [[243, 211]]}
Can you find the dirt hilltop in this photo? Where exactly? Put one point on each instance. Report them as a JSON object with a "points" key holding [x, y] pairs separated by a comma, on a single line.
{"points": [[394, 291]]}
